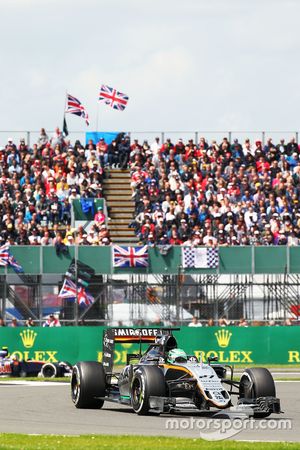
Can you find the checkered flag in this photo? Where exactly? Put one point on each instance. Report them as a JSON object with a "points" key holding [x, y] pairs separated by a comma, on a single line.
{"points": [[188, 257], [212, 258], [200, 258]]}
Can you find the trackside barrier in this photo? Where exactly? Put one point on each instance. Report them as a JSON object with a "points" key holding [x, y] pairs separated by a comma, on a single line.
{"points": [[256, 345], [233, 260]]}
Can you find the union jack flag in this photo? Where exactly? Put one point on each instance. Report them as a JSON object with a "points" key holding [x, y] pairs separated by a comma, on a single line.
{"points": [[4, 255], [70, 291], [113, 98], [74, 106], [84, 298], [130, 256], [7, 259], [12, 262]]}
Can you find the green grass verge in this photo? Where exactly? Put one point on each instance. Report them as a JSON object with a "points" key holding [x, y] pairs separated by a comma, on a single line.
{"points": [[25, 442], [42, 380]]}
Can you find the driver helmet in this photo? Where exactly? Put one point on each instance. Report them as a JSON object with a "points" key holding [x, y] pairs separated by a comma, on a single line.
{"points": [[177, 355]]}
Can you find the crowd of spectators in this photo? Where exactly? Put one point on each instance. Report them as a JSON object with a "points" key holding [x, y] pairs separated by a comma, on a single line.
{"points": [[219, 193], [53, 321], [37, 186], [185, 193], [242, 322]]}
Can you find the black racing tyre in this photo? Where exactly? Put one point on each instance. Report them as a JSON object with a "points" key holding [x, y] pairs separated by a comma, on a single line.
{"points": [[257, 382], [146, 381], [49, 370], [87, 383]]}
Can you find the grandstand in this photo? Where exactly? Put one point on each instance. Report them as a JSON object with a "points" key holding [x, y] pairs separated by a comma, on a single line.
{"points": [[189, 192], [156, 191]]}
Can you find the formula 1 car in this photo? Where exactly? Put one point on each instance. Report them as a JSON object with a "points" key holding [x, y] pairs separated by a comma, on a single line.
{"points": [[11, 366], [165, 379]]}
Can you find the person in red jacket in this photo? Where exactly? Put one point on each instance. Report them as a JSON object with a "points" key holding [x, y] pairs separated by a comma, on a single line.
{"points": [[99, 217]]}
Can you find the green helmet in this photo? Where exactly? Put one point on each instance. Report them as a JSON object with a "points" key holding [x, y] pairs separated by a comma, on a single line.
{"points": [[177, 355]]}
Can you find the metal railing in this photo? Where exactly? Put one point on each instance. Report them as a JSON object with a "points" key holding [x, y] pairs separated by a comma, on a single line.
{"points": [[31, 136]]}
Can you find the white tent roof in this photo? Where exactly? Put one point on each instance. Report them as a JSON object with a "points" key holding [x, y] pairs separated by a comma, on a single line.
{"points": [[126, 313]]}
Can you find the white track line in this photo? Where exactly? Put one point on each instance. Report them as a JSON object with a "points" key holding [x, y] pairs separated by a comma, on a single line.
{"points": [[286, 381], [283, 374]]}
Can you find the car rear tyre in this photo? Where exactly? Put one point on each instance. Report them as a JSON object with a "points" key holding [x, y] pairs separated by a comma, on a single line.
{"points": [[87, 384], [147, 381], [257, 382]]}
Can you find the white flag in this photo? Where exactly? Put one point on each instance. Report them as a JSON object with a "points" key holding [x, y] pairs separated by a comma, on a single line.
{"points": [[200, 257], [201, 260]]}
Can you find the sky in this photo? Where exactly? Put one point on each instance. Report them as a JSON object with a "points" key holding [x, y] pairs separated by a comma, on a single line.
{"points": [[185, 65]]}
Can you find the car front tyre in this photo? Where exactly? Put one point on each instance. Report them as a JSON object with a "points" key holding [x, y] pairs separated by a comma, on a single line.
{"points": [[257, 382]]}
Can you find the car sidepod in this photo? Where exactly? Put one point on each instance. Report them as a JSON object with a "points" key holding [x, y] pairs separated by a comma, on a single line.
{"points": [[200, 379]]}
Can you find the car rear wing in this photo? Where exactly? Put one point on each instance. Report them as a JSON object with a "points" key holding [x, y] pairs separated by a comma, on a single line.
{"points": [[128, 336]]}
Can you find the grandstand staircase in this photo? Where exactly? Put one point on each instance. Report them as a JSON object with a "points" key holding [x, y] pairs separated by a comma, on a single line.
{"points": [[117, 192]]}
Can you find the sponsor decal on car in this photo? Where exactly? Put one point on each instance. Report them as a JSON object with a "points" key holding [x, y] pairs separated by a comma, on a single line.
{"points": [[5, 368]]}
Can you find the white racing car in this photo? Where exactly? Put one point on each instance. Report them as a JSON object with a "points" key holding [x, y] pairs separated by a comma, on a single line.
{"points": [[166, 379]]}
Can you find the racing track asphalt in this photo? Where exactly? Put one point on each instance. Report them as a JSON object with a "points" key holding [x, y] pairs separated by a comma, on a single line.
{"points": [[36, 409]]}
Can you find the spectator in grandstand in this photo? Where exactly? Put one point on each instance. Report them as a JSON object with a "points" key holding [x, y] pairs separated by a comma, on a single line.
{"points": [[60, 247], [99, 217], [292, 147], [155, 148], [52, 321], [124, 152], [195, 322], [57, 139], [101, 148], [113, 154], [105, 241], [43, 139], [243, 322], [69, 240], [29, 323], [14, 323], [223, 322]]}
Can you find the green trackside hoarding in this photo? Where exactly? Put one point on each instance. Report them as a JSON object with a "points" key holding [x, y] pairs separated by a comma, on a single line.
{"points": [[37, 260], [232, 345]]}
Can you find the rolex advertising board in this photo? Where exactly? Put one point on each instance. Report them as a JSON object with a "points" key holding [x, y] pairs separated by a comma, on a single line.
{"points": [[232, 345]]}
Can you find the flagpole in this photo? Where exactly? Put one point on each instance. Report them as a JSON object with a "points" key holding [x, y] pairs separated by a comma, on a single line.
{"points": [[64, 118], [65, 107], [3, 306], [76, 282], [97, 118]]}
